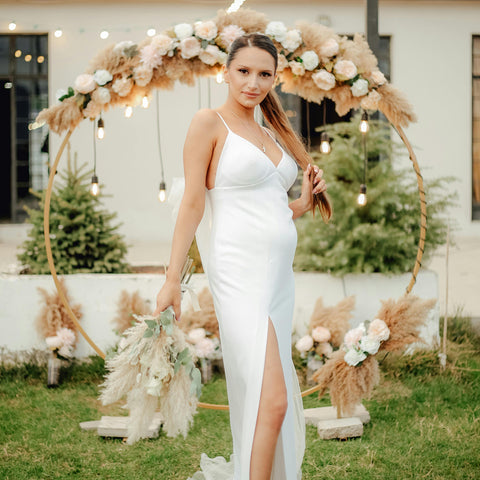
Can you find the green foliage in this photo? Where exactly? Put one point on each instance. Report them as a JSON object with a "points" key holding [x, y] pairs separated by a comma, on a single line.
{"points": [[82, 236], [383, 235]]}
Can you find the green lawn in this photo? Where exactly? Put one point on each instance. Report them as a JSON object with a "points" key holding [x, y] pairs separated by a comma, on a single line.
{"points": [[425, 425]]}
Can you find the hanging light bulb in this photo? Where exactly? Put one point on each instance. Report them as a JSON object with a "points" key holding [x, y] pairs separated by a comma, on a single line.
{"points": [[151, 32], [364, 123], [162, 192], [219, 77], [12, 26], [94, 188], [128, 111], [104, 34], [100, 129], [58, 33], [145, 102], [325, 146], [362, 197]]}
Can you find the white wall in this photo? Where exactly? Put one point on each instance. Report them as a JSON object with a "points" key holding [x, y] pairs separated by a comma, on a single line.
{"points": [[431, 64]]}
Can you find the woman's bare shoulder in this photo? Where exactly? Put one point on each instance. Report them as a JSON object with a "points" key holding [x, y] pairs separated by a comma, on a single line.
{"points": [[205, 120]]}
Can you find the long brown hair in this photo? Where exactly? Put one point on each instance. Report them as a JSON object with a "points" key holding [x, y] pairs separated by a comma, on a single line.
{"points": [[275, 115]]}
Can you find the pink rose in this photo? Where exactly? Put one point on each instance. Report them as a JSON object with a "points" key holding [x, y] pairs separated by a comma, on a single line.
{"points": [[379, 330], [206, 30], [304, 344], [150, 56], [230, 33], [321, 334], [352, 337], [85, 83], [190, 47], [163, 43], [204, 348]]}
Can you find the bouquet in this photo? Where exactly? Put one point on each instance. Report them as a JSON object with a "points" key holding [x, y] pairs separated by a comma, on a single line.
{"points": [[63, 343], [315, 348]]}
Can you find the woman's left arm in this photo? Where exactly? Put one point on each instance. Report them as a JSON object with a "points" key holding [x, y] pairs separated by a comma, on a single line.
{"points": [[304, 203]]}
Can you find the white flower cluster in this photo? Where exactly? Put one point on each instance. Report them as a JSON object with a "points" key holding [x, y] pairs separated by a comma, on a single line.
{"points": [[315, 347], [362, 341], [63, 342], [204, 346]]}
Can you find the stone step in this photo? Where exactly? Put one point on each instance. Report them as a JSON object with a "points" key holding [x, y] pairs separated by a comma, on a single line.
{"points": [[341, 428], [315, 415], [93, 425], [117, 427]]}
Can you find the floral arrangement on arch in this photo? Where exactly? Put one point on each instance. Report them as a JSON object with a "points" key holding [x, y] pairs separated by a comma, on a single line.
{"points": [[314, 347], [313, 62]]}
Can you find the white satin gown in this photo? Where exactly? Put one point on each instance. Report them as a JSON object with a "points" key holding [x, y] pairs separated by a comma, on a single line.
{"points": [[247, 242]]}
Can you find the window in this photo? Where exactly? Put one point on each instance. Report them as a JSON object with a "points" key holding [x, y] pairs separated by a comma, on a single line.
{"points": [[23, 93], [476, 127]]}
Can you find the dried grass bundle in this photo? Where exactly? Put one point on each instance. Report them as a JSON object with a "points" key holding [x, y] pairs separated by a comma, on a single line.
{"points": [[53, 315], [143, 370], [395, 106], [348, 385], [128, 305], [204, 318], [335, 318], [404, 318], [250, 20]]}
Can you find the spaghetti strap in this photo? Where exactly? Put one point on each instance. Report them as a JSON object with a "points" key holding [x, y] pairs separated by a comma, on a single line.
{"points": [[224, 122]]}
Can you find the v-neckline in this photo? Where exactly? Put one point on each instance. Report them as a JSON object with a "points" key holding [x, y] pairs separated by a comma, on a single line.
{"points": [[261, 151]]}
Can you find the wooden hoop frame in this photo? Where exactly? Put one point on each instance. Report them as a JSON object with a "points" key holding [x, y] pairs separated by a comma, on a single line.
{"points": [[61, 293]]}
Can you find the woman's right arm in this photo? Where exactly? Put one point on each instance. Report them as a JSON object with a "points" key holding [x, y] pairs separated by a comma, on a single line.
{"points": [[197, 154]]}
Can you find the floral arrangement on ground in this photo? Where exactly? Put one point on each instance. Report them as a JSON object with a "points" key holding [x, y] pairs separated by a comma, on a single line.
{"points": [[313, 62]]}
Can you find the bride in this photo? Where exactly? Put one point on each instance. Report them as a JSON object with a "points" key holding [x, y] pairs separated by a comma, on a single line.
{"points": [[241, 172]]}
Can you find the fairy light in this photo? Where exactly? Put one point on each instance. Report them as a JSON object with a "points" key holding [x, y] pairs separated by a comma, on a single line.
{"points": [[162, 192], [28, 58], [100, 129], [364, 127], [151, 32], [128, 111], [94, 187], [145, 102], [325, 146], [18, 53], [362, 197], [104, 34], [12, 26], [58, 33], [40, 59], [219, 77]]}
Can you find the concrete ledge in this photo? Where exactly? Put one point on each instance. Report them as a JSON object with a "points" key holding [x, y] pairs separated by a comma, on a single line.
{"points": [[315, 415], [340, 428], [117, 427]]}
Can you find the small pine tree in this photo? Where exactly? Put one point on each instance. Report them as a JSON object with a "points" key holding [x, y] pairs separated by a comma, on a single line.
{"points": [[83, 240], [383, 235]]}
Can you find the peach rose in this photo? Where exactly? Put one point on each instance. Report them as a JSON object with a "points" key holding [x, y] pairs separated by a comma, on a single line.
{"points": [[353, 336], [324, 80], [122, 86], [142, 75], [329, 48], [230, 33], [84, 83], [297, 67], [370, 102], [163, 43], [345, 70], [378, 77], [379, 330], [101, 95], [190, 47], [321, 334], [206, 30]]}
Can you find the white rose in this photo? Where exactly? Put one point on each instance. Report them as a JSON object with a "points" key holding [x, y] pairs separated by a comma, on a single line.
{"points": [[345, 69], [163, 43], [359, 88], [276, 30], [378, 77], [122, 86], [282, 62], [190, 47], [370, 102], [101, 95], [378, 330], [84, 83], [230, 33], [206, 30], [292, 40], [126, 48], [196, 334], [183, 30], [204, 348], [142, 75], [310, 60], [324, 80], [53, 342], [297, 68], [329, 48], [352, 357], [369, 345], [321, 334], [102, 77], [210, 55], [304, 344]]}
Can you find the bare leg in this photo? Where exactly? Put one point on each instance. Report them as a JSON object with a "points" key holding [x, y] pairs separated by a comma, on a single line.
{"points": [[271, 411]]}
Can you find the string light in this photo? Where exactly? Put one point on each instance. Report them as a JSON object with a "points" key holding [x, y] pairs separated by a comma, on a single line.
{"points": [[362, 197], [162, 192], [94, 187], [58, 33], [40, 59], [151, 32], [325, 146], [128, 111], [145, 102], [28, 58], [104, 34], [364, 127], [18, 53], [100, 129], [12, 26], [219, 77]]}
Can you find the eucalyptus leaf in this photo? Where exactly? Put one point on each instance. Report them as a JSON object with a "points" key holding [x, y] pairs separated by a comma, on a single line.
{"points": [[148, 334], [151, 323], [177, 366]]}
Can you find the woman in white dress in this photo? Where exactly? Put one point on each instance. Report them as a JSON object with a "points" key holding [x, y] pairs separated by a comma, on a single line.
{"points": [[235, 169]]}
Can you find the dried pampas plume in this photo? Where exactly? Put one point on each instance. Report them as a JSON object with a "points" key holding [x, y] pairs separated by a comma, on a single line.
{"points": [[54, 315], [129, 304], [335, 318], [348, 385], [404, 318], [204, 318]]}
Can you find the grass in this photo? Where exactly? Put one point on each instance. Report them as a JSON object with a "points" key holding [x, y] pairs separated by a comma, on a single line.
{"points": [[425, 424]]}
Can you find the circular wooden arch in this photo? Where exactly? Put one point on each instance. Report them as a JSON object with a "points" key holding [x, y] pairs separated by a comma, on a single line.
{"points": [[66, 116]]}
